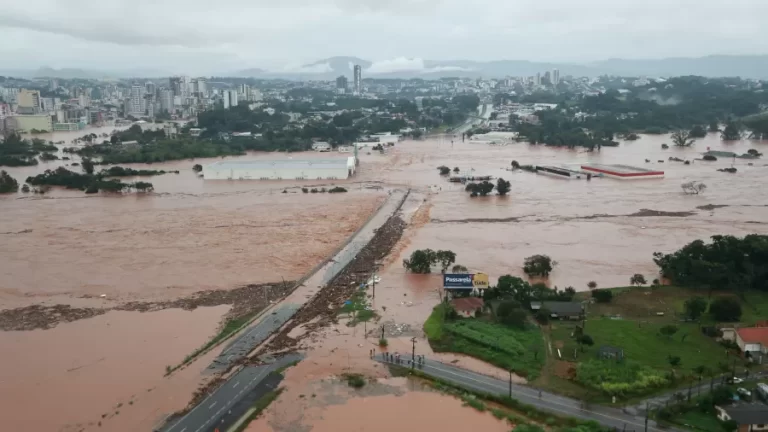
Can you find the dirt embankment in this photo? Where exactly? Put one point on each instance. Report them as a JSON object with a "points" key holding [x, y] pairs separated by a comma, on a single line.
{"points": [[323, 308], [244, 300]]}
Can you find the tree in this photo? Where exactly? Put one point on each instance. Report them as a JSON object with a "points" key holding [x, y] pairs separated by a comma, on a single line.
{"points": [[682, 138], [602, 295], [698, 131], [143, 186], [674, 361], [542, 315], [731, 132], [713, 126], [509, 313], [444, 170], [445, 258], [502, 186], [725, 309], [458, 268], [538, 265], [456, 170], [197, 168], [693, 188], [637, 279], [722, 395], [482, 189], [420, 261], [592, 284], [515, 165], [87, 165], [668, 330], [695, 307], [8, 184]]}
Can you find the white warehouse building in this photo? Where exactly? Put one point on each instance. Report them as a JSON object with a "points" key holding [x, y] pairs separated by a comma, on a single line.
{"points": [[308, 169]]}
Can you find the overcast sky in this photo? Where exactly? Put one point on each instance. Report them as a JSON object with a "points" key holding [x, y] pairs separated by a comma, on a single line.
{"points": [[205, 36]]}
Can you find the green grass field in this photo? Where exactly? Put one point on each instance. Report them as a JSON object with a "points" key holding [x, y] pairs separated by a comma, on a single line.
{"points": [[700, 421], [513, 349]]}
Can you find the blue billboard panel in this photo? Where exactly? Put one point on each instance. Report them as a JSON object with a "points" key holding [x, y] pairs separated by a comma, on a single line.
{"points": [[458, 280]]}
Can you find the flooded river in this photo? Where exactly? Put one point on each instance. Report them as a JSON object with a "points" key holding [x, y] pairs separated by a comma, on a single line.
{"points": [[192, 235]]}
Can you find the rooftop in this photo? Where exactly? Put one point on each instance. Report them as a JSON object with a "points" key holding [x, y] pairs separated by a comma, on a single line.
{"points": [[467, 304], [748, 413], [336, 163], [559, 308], [754, 335]]}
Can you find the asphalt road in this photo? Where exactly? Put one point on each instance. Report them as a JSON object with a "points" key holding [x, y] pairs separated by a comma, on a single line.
{"points": [[210, 411], [546, 401], [252, 337]]}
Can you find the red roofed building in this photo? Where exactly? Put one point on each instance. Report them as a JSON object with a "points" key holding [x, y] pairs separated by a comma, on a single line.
{"points": [[467, 306], [753, 340]]}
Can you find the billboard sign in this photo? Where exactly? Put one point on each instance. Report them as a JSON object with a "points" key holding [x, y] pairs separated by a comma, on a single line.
{"points": [[458, 280], [465, 280]]}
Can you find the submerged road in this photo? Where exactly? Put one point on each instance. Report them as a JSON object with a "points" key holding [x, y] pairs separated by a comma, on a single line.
{"points": [[545, 401], [210, 411], [252, 337]]}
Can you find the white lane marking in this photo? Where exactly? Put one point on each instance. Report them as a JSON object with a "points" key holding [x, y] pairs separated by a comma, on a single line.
{"points": [[230, 356], [183, 429], [236, 384], [213, 404]]}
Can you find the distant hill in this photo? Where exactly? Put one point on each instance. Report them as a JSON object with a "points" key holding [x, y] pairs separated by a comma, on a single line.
{"points": [[745, 66]]}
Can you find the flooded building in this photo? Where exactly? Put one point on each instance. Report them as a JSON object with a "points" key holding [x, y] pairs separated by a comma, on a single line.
{"points": [[312, 169], [624, 172]]}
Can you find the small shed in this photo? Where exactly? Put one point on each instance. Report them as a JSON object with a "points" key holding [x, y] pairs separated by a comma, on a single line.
{"points": [[562, 310], [610, 352]]}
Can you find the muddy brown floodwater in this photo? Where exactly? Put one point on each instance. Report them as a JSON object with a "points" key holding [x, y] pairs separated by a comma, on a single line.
{"points": [[192, 235]]}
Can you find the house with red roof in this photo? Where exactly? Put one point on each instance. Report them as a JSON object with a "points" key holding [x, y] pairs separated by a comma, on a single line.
{"points": [[753, 341], [467, 306]]}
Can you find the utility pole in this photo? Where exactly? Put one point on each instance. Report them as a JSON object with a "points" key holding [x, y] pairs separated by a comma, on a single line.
{"points": [[510, 383], [646, 416], [413, 353], [373, 278], [382, 331]]}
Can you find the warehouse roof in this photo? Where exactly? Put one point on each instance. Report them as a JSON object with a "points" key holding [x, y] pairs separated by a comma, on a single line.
{"points": [[338, 163]]}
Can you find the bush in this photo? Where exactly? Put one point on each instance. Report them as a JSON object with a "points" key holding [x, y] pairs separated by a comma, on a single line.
{"points": [[592, 284], [515, 165], [542, 315], [197, 168], [305, 190], [444, 170], [383, 342], [313, 190], [337, 189], [602, 295], [709, 158], [725, 309], [355, 380]]}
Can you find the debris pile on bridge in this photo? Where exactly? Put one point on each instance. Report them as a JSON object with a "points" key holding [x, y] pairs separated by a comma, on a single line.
{"points": [[323, 308]]}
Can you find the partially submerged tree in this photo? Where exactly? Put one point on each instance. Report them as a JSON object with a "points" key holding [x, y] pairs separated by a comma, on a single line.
{"points": [[422, 260], [8, 184], [538, 265], [502, 186], [444, 170], [682, 138], [693, 187], [731, 132], [482, 189]]}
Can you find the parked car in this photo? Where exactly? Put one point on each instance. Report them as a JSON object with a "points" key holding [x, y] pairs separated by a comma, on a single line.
{"points": [[735, 380], [744, 392]]}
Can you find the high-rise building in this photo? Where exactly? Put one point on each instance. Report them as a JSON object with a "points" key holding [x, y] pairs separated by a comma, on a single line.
{"points": [[358, 82], [28, 101], [244, 92], [200, 87], [176, 85], [537, 79], [229, 98], [166, 100], [555, 77], [341, 84], [137, 100], [150, 87], [547, 78]]}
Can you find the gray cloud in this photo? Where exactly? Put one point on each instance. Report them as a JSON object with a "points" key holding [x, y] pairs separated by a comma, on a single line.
{"points": [[203, 35]]}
